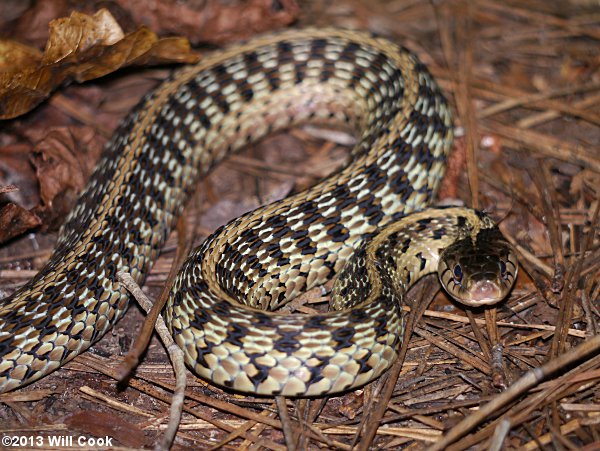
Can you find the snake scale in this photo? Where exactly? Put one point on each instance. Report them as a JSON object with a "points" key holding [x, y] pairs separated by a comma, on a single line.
{"points": [[355, 223]]}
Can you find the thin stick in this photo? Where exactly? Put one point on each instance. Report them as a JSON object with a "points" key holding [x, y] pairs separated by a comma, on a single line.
{"points": [[175, 354], [539, 118], [544, 144], [288, 432], [132, 359], [529, 98]]}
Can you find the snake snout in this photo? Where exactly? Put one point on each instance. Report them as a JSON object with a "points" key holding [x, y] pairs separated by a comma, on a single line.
{"points": [[478, 290], [482, 283], [485, 291]]}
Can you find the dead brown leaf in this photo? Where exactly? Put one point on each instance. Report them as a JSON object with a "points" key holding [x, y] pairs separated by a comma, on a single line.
{"points": [[63, 161], [15, 56], [14, 220], [215, 22], [32, 24], [103, 424], [80, 47]]}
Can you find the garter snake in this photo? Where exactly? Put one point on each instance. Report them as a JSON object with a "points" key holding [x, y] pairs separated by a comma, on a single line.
{"points": [[358, 216]]}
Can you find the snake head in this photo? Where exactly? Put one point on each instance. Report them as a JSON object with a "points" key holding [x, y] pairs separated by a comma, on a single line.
{"points": [[478, 270]]}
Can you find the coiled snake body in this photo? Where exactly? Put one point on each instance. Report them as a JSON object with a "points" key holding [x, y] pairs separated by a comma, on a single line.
{"points": [[274, 253]]}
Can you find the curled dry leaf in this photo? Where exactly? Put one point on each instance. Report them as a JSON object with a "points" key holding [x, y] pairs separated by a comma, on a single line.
{"points": [[15, 220], [63, 161], [80, 47]]}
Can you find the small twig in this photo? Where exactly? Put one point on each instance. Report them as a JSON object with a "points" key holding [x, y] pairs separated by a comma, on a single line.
{"points": [[302, 412], [175, 354], [495, 354], [528, 98], [548, 115], [140, 345], [500, 434], [536, 17], [94, 395], [483, 342], [28, 396], [544, 144], [288, 432], [497, 367], [588, 310]]}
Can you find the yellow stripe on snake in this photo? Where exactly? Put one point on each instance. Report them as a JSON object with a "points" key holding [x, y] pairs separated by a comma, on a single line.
{"points": [[353, 223]]}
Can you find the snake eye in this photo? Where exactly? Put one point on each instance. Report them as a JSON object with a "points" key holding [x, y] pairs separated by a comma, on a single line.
{"points": [[458, 274]]}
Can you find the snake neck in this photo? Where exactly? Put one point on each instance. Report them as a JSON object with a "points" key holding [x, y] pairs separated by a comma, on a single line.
{"points": [[402, 253]]}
